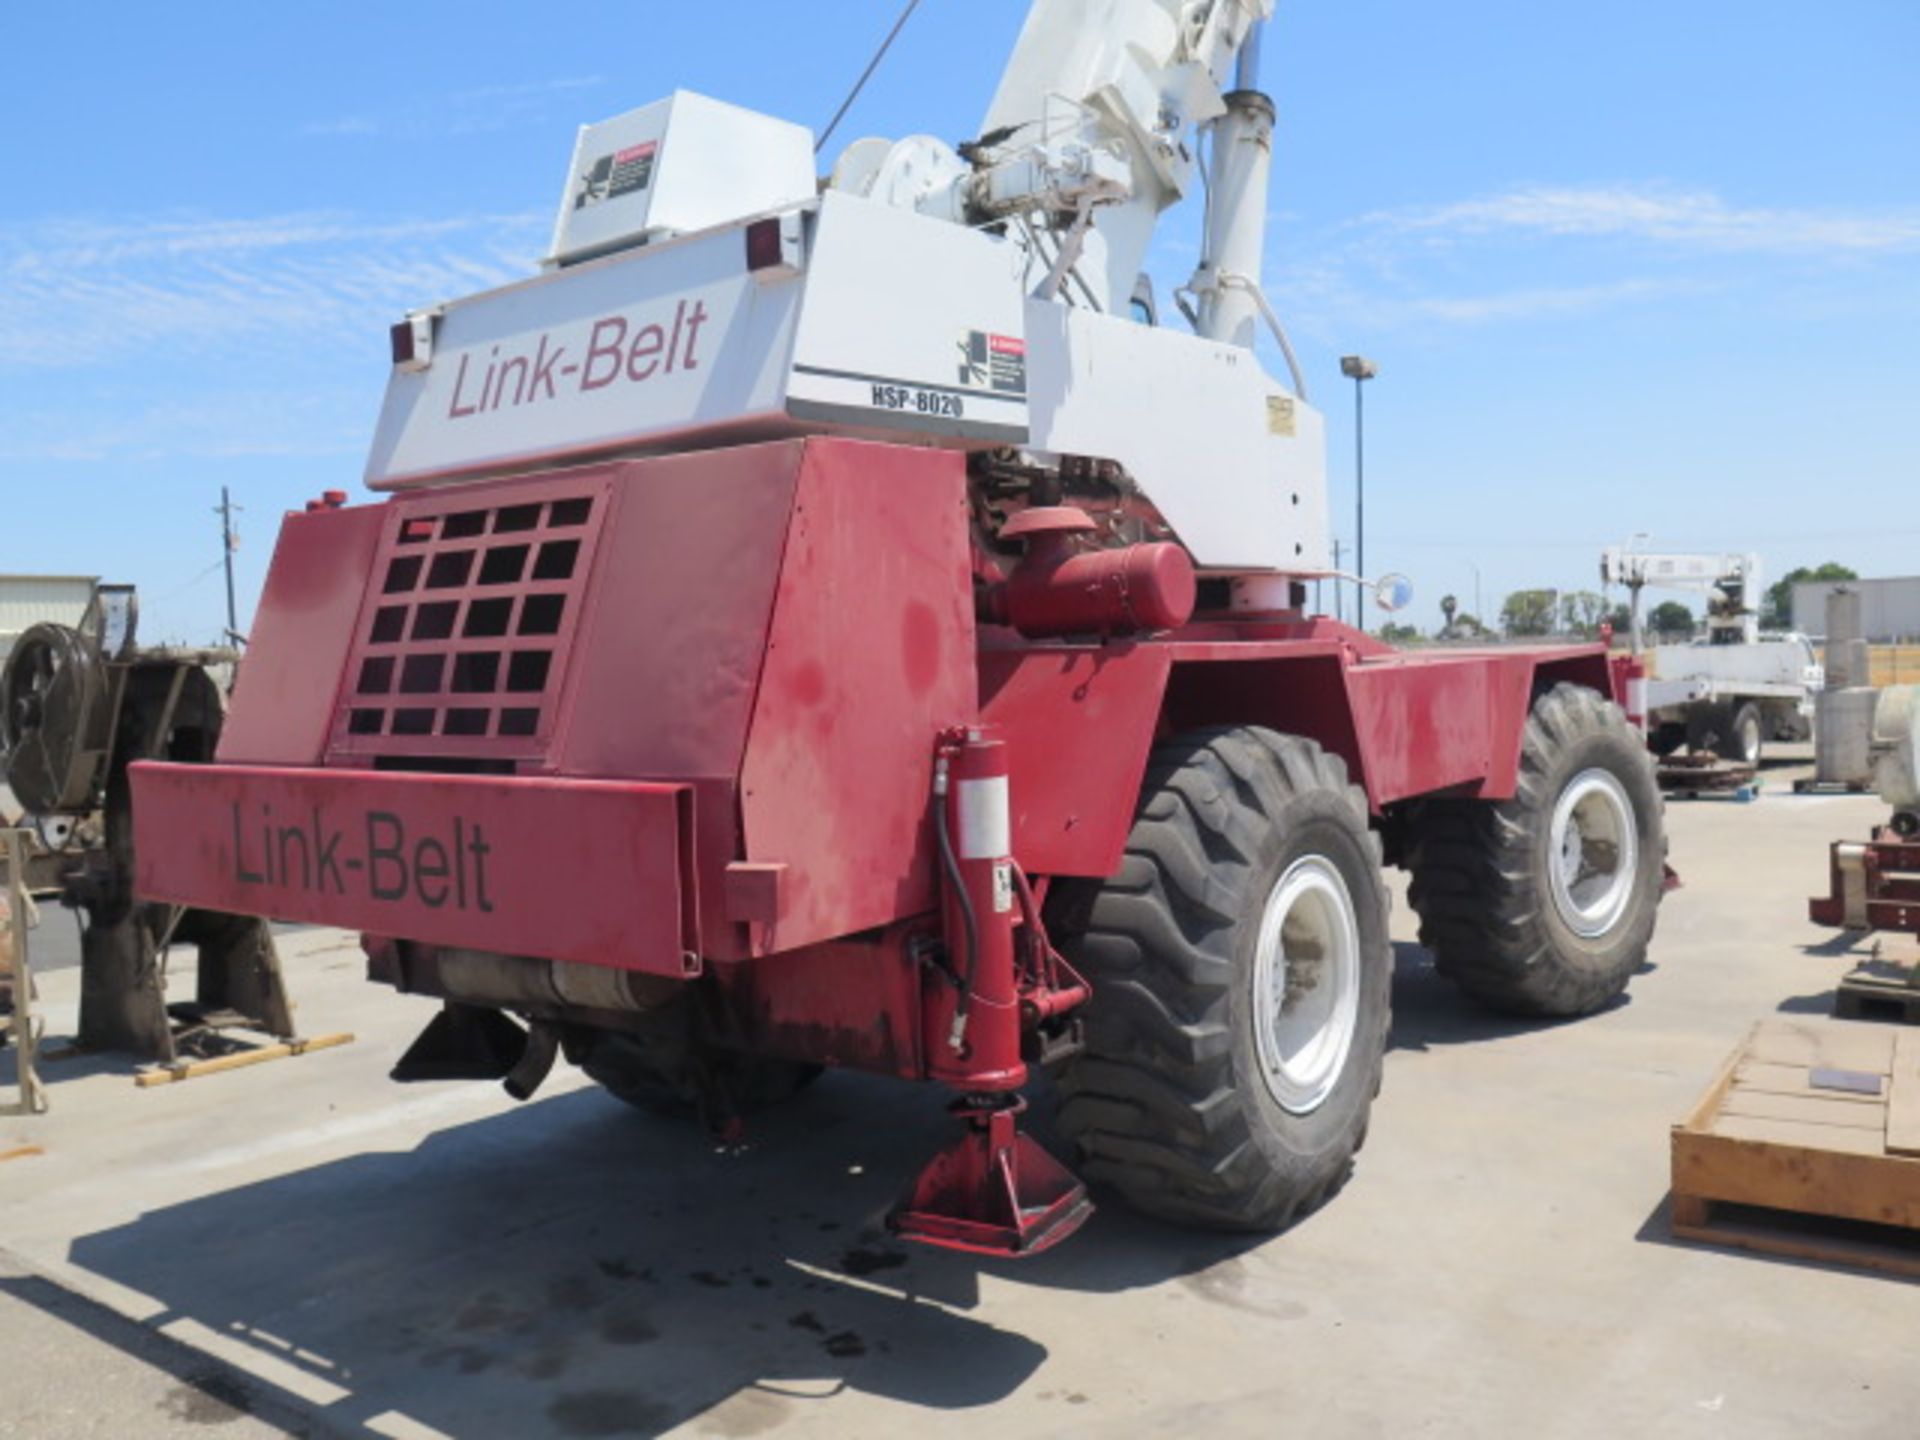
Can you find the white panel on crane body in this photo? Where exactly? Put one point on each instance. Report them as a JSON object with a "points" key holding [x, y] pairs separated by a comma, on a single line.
{"points": [[1232, 461], [671, 343], [894, 326], [679, 165], [912, 328]]}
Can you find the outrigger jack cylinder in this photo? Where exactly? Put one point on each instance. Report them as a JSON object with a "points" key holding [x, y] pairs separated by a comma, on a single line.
{"points": [[994, 1191]]}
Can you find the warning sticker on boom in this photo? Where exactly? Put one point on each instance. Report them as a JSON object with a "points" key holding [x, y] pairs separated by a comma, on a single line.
{"points": [[993, 362], [621, 173]]}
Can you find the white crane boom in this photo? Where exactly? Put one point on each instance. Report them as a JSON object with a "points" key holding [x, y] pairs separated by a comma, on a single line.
{"points": [[1731, 583]]}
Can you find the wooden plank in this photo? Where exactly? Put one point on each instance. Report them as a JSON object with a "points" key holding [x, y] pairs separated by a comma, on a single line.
{"points": [[1751, 1075], [1903, 1101], [193, 1069], [1790, 1134], [1823, 1044], [1815, 1109], [1772, 1232], [20, 1152], [1702, 1114], [1810, 1178]]}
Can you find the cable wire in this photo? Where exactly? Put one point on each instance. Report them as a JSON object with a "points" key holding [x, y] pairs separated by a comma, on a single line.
{"points": [[865, 75]]}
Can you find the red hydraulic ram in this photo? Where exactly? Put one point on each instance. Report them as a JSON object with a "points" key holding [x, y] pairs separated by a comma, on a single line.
{"points": [[994, 1190]]}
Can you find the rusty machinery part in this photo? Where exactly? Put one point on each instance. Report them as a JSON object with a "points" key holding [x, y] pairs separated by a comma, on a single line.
{"points": [[1544, 904], [56, 720], [1873, 884], [1004, 485], [1241, 970]]}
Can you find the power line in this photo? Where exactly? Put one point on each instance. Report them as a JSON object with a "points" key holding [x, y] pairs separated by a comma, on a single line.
{"points": [[865, 75]]}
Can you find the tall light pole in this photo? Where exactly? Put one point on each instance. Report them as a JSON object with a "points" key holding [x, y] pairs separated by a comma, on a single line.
{"points": [[1359, 369]]}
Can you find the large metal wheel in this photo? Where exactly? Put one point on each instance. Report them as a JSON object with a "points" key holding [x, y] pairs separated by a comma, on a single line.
{"points": [[1593, 851], [1306, 984], [1544, 904], [1241, 971]]}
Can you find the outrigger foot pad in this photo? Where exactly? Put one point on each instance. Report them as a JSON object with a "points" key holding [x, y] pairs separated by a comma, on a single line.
{"points": [[994, 1191]]}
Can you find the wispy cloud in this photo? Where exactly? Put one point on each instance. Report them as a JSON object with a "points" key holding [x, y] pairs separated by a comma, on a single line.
{"points": [[1544, 252], [253, 424], [78, 292], [1335, 298], [1538, 303], [461, 112], [1695, 218]]}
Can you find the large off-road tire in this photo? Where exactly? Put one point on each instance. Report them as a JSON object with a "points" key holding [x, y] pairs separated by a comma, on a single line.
{"points": [[1735, 731], [1665, 740], [1241, 973], [662, 1073], [1745, 735], [1544, 904]]}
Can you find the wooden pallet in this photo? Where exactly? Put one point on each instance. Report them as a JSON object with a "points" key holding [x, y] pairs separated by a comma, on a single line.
{"points": [[1787, 1140], [1879, 990], [1693, 776]]}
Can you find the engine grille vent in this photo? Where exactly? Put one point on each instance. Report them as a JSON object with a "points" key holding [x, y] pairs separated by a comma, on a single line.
{"points": [[468, 618]]}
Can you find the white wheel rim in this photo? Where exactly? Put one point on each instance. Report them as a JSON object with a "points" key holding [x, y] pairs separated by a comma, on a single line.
{"points": [[1593, 853], [1306, 984], [1748, 738]]}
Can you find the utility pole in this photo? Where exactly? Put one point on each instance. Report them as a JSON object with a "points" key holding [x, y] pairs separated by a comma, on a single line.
{"points": [[228, 542], [1339, 605]]}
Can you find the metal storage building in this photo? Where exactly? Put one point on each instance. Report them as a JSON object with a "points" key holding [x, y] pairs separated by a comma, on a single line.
{"points": [[26, 600], [1889, 609]]}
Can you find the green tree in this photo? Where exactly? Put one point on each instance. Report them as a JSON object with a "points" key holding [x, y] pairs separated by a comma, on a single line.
{"points": [[1581, 611], [1671, 619], [1528, 612], [1777, 613], [1395, 633]]}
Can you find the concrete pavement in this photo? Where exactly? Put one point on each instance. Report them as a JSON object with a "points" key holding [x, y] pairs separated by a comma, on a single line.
{"points": [[350, 1257]]}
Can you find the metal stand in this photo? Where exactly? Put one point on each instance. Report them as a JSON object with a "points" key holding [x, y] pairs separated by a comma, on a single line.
{"points": [[13, 936], [994, 1191]]}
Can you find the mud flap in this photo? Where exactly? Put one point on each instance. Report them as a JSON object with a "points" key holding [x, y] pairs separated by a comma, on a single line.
{"points": [[463, 1042]]}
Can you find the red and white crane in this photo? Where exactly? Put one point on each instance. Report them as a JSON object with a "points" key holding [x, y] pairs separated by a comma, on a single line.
{"points": [[826, 623]]}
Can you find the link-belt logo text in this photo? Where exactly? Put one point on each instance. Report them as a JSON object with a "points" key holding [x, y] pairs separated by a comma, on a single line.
{"points": [[384, 859], [619, 349]]}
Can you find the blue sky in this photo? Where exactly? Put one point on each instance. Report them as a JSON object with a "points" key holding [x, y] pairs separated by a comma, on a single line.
{"points": [[1648, 266]]}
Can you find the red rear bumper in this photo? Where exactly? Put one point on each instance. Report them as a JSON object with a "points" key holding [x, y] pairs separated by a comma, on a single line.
{"points": [[584, 870]]}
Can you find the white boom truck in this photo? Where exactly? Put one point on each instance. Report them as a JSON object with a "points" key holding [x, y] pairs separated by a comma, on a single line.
{"points": [[1732, 690]]}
